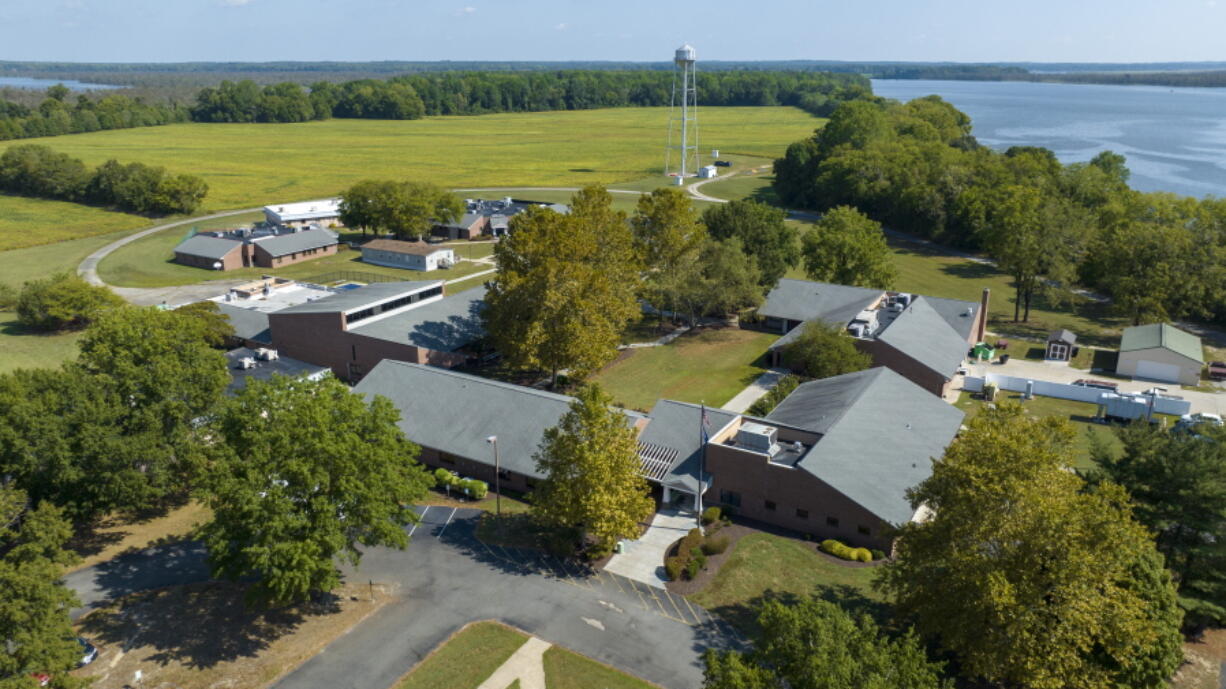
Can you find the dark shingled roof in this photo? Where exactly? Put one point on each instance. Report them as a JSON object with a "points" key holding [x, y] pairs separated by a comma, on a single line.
{"points": [[879, 434], [455, 412], [803, 300], [207, 246], [925, 335], [1062, 335], [294, 242], [675, 425], [249, 324], [444, 325], [367, 295]]}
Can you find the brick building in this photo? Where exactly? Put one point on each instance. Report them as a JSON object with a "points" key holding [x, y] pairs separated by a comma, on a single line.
{"points": [[923, 338], [833, 460], [351, 331], [266, 248]]}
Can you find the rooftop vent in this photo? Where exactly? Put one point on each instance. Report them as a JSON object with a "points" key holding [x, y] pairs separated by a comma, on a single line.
{"points": [[245, 363], [267, 354]]}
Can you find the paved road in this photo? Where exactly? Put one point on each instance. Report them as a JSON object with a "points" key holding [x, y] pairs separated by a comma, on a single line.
{"points": [[446, 579]]}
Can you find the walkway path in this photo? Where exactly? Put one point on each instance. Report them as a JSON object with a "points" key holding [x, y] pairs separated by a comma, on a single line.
{"points": [[526, 664], [745, 398], [643, 560], [657, 343]]}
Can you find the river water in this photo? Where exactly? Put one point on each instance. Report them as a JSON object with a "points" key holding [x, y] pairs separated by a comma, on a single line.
{"points": [[41, 84], [1174, 139]]}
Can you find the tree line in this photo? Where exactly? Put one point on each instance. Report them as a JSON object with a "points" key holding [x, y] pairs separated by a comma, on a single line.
{"points": [[475, 93], [38, 171], [1053, 228], [56, 115]]}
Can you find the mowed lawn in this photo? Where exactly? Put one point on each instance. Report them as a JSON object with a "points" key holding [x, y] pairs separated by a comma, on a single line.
{"points": [[1080, 415], [765, 566], [710, 366], [30, 222], [22, 348], [473, 654], [256, 164]]}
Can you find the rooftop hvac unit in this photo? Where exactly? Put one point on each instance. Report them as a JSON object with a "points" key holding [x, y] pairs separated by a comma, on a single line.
{"points": [[969, 311], [246, 363], [856, 329], [757, 437], [896, 307], [904, 299], [267, 354]]}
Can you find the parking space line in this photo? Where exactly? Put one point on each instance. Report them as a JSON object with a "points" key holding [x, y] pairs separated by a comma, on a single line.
{"points": [[614, 577], [675, 607], [420, 519], [447, 523], [693, 610]]}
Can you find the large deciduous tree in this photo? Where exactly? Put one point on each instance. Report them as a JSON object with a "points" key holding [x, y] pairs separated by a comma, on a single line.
{"points": [[822, 350], [565, 287], [592, 472], [1177, 481], [763, 234], [667, 230], [847, 247], [405, 209], [817, 645], [302, 472], [34, 625], [63, 301], [1025, 575]]}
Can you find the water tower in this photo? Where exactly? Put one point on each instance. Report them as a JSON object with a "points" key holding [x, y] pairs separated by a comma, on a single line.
{"points": [[681, 160]]}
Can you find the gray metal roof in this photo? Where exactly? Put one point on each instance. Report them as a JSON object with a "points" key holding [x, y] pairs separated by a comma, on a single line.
{"points": [[249, 324], [455, 412], [879, 433], [925, 335], [294, 242], [954, 311], [1062, 335], [348, 300], [675, 425], [207, 246], [444, 325], [264, 370], [803, 300], [1165, 336]]}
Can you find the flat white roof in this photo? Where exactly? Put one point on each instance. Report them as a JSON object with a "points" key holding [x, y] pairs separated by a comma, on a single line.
{"points": [[304, 210]]}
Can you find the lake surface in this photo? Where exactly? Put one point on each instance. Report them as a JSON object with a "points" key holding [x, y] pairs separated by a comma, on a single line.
{"points": [[1174, 139], [41, 84]]}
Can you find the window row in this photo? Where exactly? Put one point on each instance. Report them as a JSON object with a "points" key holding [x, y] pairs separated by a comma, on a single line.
{"points": [[733, 499]]}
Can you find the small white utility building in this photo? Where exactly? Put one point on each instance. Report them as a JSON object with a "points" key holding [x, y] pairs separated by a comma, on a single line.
{"points": [[408, 255], [325, 212], [1161, 352]]}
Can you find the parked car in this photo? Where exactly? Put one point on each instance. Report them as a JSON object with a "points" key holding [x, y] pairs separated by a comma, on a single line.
{"points": [[723, 163], [1217, 370], [89, 652]]}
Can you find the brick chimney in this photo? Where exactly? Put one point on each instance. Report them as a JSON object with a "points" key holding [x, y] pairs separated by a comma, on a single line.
{"points": [[983, 314]]}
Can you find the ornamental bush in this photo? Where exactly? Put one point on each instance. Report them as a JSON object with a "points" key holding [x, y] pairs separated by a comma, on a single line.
{"points": [[672, 567], [840, 550], [862, 555], [715, 545], [691, 569], [877, 554], [710, 515]]}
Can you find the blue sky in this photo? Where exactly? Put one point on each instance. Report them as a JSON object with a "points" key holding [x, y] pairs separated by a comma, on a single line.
{"points": [[959, 30]]}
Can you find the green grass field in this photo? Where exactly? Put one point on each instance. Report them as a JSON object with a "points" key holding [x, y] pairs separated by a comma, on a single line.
{"points": [[21, 348], [756, 187], [1080, 415], [31, 222], [763, 566], [255, 164], [711, 366], [472, 655]]}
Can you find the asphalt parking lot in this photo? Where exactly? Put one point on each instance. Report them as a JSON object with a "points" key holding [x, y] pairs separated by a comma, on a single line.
{"points": [[446, 579]]}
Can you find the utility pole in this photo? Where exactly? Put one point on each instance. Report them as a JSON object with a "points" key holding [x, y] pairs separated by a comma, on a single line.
{"points": [[493, 440]]}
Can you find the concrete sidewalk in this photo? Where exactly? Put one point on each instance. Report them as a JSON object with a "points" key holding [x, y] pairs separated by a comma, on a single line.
{"points": [[745, 398], [643, 560]]}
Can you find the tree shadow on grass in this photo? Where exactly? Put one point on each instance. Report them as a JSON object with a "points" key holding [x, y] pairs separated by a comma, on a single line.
{"points": [[970, 270], [199, 625]]}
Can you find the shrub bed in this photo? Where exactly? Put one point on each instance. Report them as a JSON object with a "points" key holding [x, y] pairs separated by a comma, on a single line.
{"points": [[469, 487], [692, 552], [845, 552]]}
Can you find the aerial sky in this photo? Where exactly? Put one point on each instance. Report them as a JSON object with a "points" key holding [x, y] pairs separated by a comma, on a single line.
{"points": [[637, 30]]}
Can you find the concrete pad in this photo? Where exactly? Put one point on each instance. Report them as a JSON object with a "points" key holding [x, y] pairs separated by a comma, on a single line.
{"points": [[643, 560], [526, 664]]}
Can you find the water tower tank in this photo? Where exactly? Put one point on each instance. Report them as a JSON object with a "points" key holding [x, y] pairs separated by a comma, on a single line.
{"points": [[685, 54]]}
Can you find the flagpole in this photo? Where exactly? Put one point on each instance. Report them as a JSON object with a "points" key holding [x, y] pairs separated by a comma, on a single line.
{"points": [[702, 457]]}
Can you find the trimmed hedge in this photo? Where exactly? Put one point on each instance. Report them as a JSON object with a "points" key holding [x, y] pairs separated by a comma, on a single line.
{"points": [[714, 545], [470, 487], [692, 554], [845, 552]]}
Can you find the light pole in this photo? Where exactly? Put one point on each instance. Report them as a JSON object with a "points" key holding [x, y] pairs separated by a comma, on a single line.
{"points": [[493, 440]]}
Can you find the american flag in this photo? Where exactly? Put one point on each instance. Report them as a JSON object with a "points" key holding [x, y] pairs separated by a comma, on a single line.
{"points": [[706, 425]]}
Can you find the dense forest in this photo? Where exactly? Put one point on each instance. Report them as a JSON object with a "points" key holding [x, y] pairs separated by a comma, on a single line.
{"points": [[476, 93], [413, 96], [917, 168], [38, 171]]}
